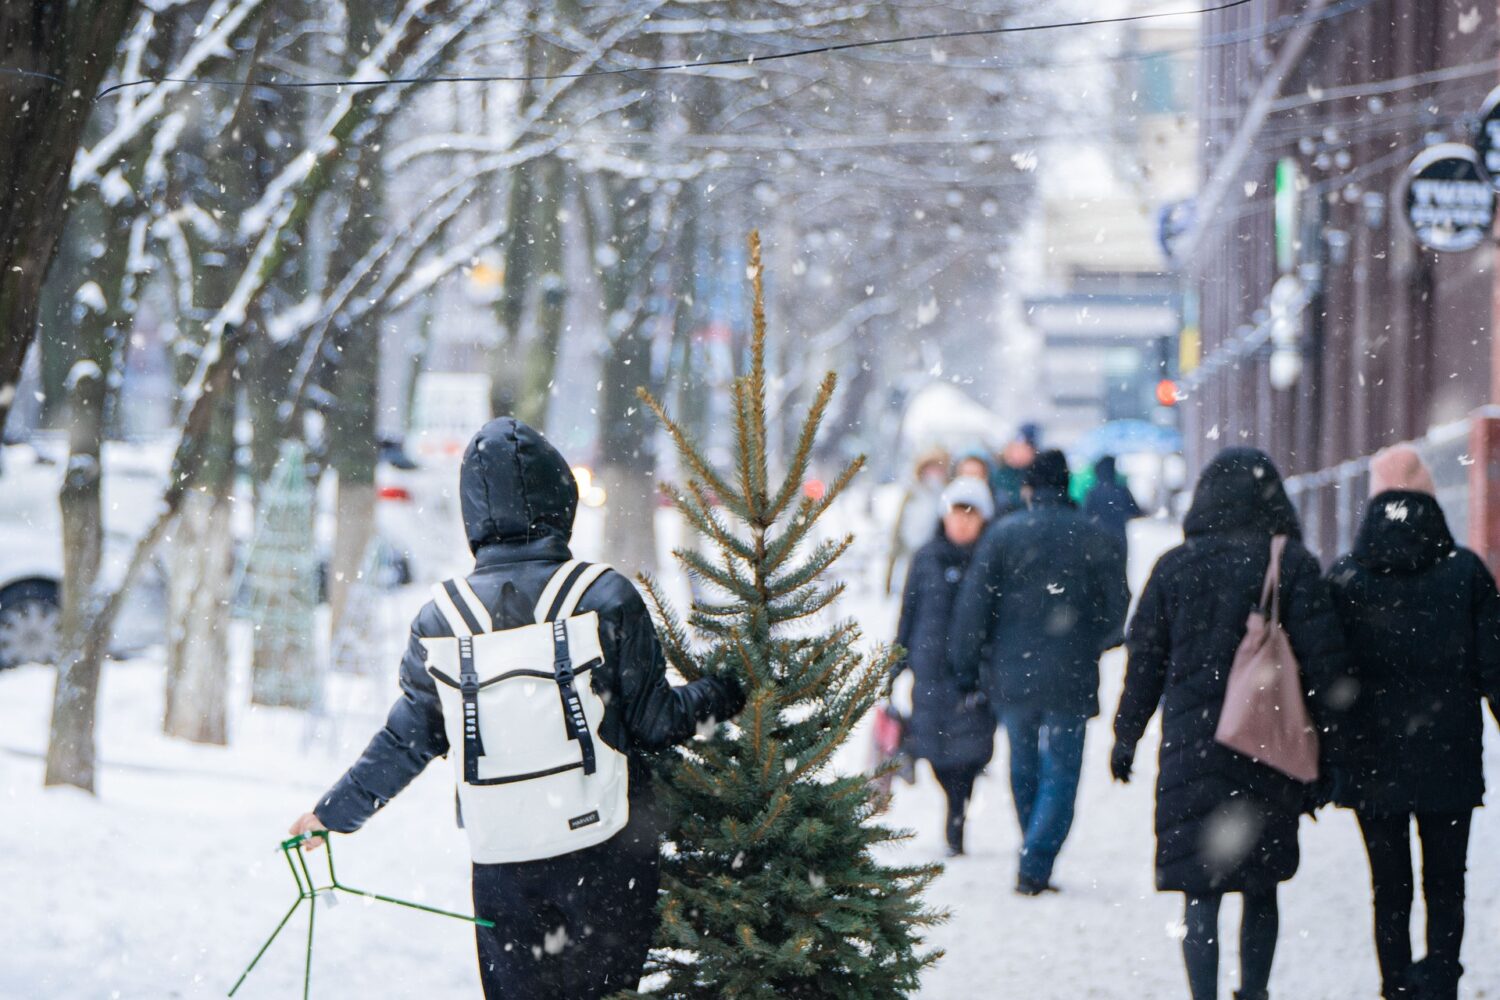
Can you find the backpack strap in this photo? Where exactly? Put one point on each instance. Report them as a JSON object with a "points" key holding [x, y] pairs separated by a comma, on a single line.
{"points": [[468, 686], [576, 723], [577, 585], [445, 597], [467, 617], [559, 600], [554, 586], [470, 600]]}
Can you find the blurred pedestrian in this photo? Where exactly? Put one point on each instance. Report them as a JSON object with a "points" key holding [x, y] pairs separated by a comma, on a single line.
{"points": [[1422, 618], [921, 508], [951, 730], [1044, 597], [1224, 823], [1109, 503], [1015, 458]]}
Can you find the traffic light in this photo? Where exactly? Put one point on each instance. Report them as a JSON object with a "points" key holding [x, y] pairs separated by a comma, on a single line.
{"points": [[1166, 392]]}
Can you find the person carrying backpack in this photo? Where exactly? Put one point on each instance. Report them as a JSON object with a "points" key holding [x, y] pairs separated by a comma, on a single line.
{"points": [[1422, 617], [541, 676]]}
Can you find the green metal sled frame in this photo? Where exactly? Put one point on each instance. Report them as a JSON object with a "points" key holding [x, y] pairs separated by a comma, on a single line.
{"points": [[307, 891]]}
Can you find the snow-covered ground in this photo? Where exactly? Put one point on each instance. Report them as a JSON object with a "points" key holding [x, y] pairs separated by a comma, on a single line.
{"points": [[165, 884]]}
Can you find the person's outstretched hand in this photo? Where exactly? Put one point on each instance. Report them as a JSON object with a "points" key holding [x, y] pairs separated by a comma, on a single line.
{"points": [[307, 823], [1121, 759]]}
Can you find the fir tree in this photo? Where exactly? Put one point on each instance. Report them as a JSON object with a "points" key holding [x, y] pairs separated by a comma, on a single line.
{"points": [[771, 885]]}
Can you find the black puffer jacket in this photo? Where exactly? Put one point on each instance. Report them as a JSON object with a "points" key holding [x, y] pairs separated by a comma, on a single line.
{"points": [[947, 728], [1110, 504], [1043, 598], [519, 497], [1224, 822], [1422, 618]]}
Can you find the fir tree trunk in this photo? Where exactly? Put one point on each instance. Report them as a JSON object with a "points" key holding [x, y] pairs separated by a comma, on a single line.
{"points": [[197, 696]]}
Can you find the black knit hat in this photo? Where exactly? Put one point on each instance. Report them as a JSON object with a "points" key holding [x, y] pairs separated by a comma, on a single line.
{"points": [[1048, 471]]}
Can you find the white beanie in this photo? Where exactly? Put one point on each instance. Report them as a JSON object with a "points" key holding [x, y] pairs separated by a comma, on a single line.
{"points": [[968, 491]]}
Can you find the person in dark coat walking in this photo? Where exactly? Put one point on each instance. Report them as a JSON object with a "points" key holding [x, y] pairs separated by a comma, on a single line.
{"points": [[578, 925], [1044, 598], [952, 731], [1110, 504], [1422, 617], [1224, 823]]}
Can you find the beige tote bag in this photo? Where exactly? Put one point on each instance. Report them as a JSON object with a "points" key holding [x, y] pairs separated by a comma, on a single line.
{"points": [[1265, 711]]}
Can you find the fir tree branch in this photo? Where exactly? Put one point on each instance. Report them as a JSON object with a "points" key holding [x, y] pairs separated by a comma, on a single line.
{"points": [[685, 448], [802, 456]]}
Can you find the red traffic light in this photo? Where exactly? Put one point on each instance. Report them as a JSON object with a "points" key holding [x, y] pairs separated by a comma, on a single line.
{"points": [[1166, 392]]}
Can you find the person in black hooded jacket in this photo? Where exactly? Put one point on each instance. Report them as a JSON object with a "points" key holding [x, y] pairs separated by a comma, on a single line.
{"points": [[1044, 597], [1224, 823], [1422, 617], [519, 498]]}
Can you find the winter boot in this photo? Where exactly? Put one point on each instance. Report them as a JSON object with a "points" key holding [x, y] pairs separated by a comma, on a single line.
{"points": [[955, 836], [1026, 886], [1244, 995], [1431, 980]]}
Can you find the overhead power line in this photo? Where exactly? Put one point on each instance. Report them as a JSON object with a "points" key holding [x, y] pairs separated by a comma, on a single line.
{"points": [[749, 59]]}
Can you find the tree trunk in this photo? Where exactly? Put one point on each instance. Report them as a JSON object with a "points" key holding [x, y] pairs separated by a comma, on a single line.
{"points": [[353, 449], [355, 527], [56, 54], [552, 297], [70, 750], [197, 697], [198, 595]]}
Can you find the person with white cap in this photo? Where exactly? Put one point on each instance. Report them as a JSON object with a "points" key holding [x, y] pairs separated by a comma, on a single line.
{"points": [[953, 732], [1422, 618]]}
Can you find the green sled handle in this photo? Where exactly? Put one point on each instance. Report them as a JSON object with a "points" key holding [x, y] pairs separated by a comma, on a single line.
{"points": [[308, 891]]}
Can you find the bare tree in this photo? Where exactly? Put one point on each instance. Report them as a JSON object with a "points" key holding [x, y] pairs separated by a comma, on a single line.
{"points": [[55, 55]]}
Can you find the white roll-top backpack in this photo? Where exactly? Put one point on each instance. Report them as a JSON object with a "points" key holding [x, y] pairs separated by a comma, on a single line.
{"points": [[535, 780]]}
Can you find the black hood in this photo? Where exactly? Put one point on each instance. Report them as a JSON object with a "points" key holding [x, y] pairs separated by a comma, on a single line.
{"points": [[1403, 532], [1104, 470], [515, 487], [1241, 491]]}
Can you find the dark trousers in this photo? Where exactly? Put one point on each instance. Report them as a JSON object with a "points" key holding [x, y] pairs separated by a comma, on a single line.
{"points": [[1046, 757], [958, 786], [574, 927], [1200, 947], [1445, 849]]}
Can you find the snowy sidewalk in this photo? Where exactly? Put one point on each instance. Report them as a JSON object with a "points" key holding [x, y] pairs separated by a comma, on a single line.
{"points": [[164, 886]]}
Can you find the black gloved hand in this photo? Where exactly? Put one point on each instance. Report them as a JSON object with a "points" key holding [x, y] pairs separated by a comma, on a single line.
{"points": [[1121, 759], [731, 696]]}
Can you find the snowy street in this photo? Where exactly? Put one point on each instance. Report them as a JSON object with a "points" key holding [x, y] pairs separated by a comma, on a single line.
{"points": [[165, 885]]}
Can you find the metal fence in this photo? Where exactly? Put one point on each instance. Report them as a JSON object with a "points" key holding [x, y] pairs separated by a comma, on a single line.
{"points": [[1330, 502]]}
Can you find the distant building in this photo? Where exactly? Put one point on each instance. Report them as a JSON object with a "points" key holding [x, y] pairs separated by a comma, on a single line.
{"points": [[1100, 298]]}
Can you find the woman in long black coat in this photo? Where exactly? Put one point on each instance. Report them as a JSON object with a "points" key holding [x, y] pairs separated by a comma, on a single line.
{"points": [[952, 731], [1224, 823], [1422, 618]]}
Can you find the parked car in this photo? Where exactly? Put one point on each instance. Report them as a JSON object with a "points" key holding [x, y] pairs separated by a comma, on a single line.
{"points": [[31, 558]]}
